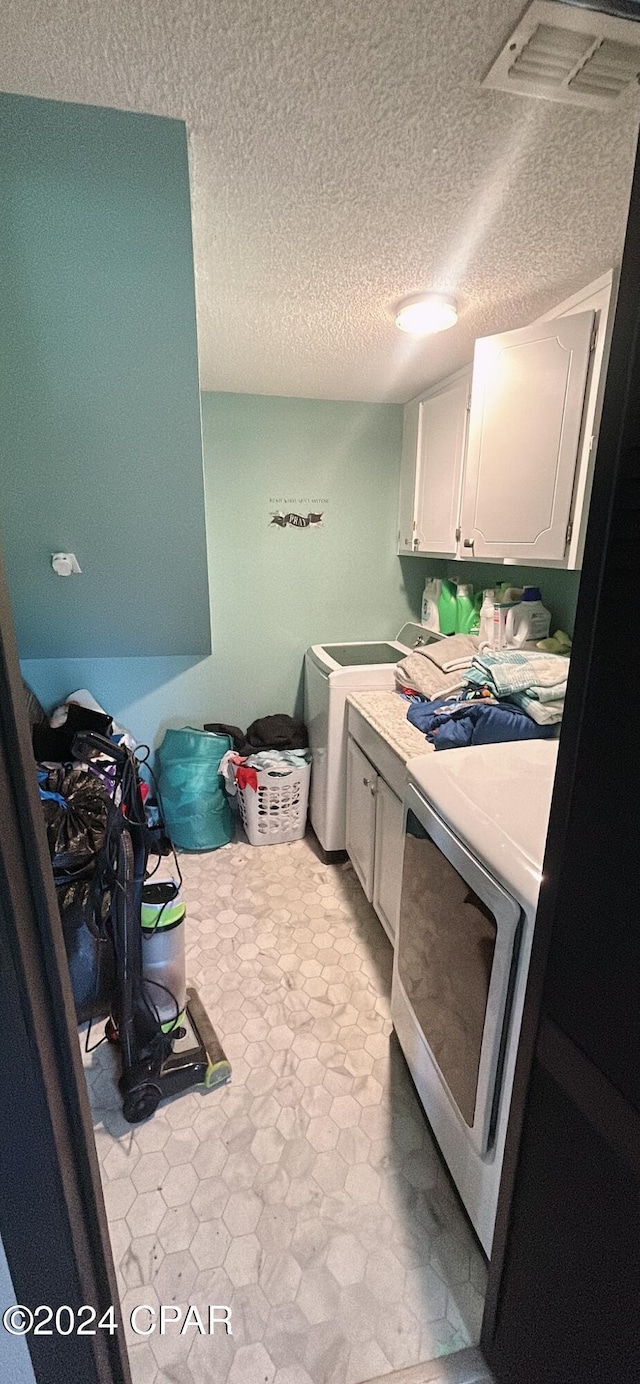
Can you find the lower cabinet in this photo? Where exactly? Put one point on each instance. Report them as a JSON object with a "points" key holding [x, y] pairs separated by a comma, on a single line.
{"points": [[362, 784], [374, 836], [387, 873]]}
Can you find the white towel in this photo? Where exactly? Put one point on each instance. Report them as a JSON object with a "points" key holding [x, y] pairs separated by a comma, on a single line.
{"points": [[450, 654]]}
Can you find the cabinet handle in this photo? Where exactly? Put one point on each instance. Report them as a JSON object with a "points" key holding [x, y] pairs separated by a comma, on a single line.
{"points": [[370, 784], [468, 542]]}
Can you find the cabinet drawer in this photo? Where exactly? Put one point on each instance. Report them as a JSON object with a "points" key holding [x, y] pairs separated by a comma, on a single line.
{"points": [[386, 761]]}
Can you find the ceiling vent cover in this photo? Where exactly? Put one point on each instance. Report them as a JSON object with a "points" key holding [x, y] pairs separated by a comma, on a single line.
{"points": [[566, 53]]}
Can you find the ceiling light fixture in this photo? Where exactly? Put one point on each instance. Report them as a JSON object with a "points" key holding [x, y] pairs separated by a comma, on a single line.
{"points": [[425, 313]]}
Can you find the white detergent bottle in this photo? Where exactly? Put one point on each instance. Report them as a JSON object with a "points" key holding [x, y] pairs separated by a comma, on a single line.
{"points": [[485, 631], [530, 619], [431, 595]]}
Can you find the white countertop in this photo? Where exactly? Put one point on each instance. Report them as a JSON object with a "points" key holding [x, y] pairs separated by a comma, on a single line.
{"points": [[496, 798], [386, 712]]}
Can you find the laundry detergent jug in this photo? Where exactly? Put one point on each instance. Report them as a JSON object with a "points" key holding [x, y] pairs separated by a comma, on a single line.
{"points": [[529, 619]]}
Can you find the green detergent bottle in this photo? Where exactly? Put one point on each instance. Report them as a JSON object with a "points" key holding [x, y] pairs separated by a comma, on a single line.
{"points": [[474, 623], [464, 608], [447, 607]]}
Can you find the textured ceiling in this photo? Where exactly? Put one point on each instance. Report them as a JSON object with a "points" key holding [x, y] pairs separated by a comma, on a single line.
{"points": [[343, 155]]}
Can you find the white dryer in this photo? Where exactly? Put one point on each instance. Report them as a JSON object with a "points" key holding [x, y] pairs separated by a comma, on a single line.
{"points": [[332, 671], [475, 831]]}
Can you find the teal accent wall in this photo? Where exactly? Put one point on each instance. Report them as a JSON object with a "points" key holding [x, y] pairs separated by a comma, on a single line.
{"points": [[273, 590], [100, 435]]}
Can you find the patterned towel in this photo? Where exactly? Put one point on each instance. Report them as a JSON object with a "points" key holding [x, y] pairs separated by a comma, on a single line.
{"points": [[542, 676], [545, 713]]}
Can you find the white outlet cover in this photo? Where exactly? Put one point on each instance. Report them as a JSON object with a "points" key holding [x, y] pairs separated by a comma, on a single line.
{"points": [[65, 564]]}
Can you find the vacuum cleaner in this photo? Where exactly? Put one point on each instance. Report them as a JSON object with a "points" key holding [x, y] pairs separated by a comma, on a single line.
{"points": [[165, 1038]]}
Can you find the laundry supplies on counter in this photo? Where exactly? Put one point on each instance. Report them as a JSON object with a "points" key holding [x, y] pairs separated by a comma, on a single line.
{"points": [[465, 608], [447, 607], [529, 619]]}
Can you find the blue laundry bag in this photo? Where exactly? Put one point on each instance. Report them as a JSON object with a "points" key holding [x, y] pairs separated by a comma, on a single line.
{"points": [[197, 813]]}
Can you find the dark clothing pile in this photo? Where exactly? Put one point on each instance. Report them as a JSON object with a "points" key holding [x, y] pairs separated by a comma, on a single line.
{"points": [[278, 732]]}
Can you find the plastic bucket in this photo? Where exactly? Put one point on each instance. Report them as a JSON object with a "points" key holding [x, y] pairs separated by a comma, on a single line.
{"points": [[197, 814]]}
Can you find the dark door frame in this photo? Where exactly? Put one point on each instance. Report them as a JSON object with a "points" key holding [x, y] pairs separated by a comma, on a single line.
{"points": [[611, 533], [52, 1217]]}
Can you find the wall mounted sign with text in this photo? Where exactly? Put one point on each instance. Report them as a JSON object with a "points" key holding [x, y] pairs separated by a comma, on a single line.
{"points": [[307, 513]]}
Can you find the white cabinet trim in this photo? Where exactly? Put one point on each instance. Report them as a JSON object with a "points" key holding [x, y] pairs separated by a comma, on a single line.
{"points": [[460, 386], [600, 297]]}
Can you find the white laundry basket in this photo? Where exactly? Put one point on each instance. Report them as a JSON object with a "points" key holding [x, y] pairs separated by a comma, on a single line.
{"points": [[277, 811]]}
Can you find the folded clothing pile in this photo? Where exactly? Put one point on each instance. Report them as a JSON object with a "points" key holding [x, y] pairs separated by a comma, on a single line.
{"points": [[534, 682], [511, 695], [437, 669]]}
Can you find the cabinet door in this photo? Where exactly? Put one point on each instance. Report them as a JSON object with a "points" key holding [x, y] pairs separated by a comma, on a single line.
{"points": [[388, 858], [407, 506], [362, 781], [442, 431], [524, 433]]}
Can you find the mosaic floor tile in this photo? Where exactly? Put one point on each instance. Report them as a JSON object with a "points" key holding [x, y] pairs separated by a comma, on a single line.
{"points": [[308, 1195]]}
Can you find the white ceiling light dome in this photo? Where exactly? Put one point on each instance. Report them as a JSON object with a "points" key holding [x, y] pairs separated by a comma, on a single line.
{"points": [[423, 314]]}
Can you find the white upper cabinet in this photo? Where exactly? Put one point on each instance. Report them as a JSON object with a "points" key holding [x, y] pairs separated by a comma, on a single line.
{"points": [[442, 427], [509, 479], [525, 424], [433, 447]]}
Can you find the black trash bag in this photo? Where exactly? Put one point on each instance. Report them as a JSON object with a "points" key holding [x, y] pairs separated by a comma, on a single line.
{"points": [[76, 835]]}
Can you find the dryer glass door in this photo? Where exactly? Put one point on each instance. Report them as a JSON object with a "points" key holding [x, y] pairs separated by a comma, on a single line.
{"points": [[456, 949]]}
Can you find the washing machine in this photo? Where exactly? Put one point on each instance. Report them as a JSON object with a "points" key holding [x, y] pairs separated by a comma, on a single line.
{"points": [[475, 831], [331, 672]]}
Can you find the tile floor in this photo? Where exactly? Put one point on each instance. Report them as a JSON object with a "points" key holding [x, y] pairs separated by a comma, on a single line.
{"points": [[307, 1195]]}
